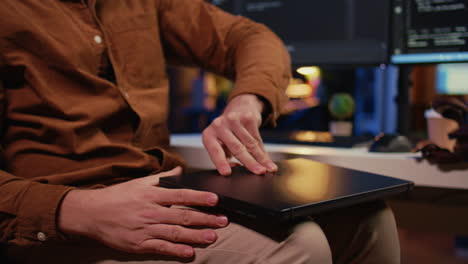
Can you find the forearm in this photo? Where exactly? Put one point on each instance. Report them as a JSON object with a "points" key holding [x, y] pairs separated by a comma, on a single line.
{"points": [[233, 46], [262, 67]]}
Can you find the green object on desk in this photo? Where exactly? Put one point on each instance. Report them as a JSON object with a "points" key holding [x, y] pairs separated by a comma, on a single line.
{"points": [[341, 106]]}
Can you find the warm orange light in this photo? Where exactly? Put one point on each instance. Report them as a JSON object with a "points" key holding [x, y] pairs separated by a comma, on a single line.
{"points": [[299, 91], [310, 72]]}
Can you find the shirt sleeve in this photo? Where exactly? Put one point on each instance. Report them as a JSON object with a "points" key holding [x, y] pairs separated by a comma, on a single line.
{"points": [[28, 209], [196, 32]]}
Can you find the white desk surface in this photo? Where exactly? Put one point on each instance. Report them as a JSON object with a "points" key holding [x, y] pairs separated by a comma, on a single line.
{"points": [[407, 166]]}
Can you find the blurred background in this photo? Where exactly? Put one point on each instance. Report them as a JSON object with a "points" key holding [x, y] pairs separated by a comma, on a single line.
{"points": [[375, 65]]}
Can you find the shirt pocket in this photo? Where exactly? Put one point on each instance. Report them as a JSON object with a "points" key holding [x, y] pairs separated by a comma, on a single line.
{"points": [[137, 50]]}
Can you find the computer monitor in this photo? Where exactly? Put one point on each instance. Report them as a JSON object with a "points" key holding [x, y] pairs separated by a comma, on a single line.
{"points": [[430, 31], [452, 79], [332, 32]]}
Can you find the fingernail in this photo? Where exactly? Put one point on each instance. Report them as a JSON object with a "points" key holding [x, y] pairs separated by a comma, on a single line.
{"points": [[188, 252], [272, 166], [259, 169], [222, 220], [225, 170], [209, 236], [212, 199]]}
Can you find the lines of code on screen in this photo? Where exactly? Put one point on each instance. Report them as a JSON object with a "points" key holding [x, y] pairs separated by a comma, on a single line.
{"points": [[436, 26]]}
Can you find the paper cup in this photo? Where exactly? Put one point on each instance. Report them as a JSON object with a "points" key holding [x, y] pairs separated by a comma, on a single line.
{"points": [[438, 129], [341, 128]]}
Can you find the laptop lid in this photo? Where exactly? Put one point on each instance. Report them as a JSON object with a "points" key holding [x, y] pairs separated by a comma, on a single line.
{"points": [[300, 187]]}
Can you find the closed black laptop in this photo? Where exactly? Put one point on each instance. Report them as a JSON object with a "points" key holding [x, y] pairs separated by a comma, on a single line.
{"points": [[300, 188]]}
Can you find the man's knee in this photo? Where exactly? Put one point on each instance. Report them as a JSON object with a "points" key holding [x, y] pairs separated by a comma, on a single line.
{"points": [[365, 233], [384, 243], [306, 244], [377, 236]]}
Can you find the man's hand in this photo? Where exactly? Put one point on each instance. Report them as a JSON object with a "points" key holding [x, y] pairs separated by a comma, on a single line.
{"points": [[135, 217], [235, 133]]}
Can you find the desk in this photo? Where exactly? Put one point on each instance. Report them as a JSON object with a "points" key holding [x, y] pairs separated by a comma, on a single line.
{"points": [[408, 166], [412, 214]]}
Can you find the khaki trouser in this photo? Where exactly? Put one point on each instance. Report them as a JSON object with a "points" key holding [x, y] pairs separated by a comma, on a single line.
{"points": [[362, 234]]}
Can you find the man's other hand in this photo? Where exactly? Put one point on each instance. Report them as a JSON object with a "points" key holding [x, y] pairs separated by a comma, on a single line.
{"points": [[136, 217], [236, 133]]}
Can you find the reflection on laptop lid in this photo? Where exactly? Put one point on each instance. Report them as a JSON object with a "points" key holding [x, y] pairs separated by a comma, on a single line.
{"points": [[301, 187]]}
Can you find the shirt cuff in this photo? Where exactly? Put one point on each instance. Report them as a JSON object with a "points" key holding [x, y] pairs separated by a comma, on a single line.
{"points": [[38, 214]]}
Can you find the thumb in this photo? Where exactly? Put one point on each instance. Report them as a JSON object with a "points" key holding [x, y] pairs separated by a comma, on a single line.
{"points": [[154, 179]]}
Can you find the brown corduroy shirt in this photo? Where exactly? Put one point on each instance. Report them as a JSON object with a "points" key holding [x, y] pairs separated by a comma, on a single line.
{"points": [[63, 125]]}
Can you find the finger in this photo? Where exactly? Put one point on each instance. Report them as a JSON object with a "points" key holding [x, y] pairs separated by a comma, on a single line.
{"points": [[254, 147], [252, 127], [234, 164], [253, 130], [174, 172], [188, 217], [154, 179], [239, 151], [227, 153], [185, 197], [163, 247], [175, 233], [216, 153]]}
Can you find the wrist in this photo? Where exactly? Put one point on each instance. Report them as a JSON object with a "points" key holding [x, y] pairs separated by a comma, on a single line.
{"points": [[72, 216], [249, 100]]}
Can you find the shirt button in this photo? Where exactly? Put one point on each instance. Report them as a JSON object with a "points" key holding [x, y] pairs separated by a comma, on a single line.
{"points": [[126, 95], [98, 39], [41, 236]]}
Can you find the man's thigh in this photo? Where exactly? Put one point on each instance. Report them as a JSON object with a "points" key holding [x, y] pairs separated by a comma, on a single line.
{"points": [[361, 234], [305, 243]]}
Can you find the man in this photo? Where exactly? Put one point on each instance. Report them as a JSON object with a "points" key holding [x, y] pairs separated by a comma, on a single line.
{"points": [[84, 100]]}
